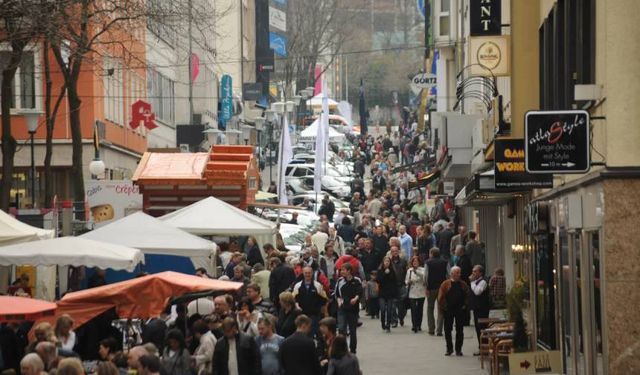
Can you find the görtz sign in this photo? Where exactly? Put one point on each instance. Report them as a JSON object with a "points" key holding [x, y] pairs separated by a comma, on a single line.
{"points": [[557, 141]]}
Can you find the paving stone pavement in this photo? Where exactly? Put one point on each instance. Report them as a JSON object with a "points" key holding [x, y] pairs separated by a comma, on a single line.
{"points": [[404, 352]]}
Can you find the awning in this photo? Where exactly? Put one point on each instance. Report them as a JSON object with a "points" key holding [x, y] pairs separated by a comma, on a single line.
{"points": [[481, 191], [425, 180]]}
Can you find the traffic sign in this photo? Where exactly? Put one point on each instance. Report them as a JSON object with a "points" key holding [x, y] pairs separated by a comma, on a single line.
{"points": [[557, 142]]}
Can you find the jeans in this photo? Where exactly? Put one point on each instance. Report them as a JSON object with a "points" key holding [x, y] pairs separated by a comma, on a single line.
{"points": [[432, 304], [417, 311], [401, 310], [349, 319], [450, 317], [373, 306], [387, 307]]}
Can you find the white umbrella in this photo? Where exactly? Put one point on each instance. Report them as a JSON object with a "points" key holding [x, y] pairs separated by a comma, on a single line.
{"points": [[71, 251]]}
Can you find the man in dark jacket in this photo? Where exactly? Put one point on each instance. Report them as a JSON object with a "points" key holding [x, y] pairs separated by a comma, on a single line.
{"points": [[298, 351], [247, 359], [327, 208], [281, 278], [348, 294], [480, 301], [464, 262], [399, 265], [437, 273], [444, 241], [453, 299]]}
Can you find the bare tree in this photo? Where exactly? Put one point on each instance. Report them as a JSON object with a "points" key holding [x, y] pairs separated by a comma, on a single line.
{"points": [[317, 31], [21, 20]]}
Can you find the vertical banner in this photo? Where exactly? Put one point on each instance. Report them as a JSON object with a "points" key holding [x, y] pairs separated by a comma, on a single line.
{"points": [[226, 102]]}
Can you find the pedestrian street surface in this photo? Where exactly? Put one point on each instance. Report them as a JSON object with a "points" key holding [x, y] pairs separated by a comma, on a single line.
{"points": [[404, 352]]}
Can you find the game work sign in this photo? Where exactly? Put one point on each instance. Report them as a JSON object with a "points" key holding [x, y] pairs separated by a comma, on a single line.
{"points": [[557, 142], [510, 173]]}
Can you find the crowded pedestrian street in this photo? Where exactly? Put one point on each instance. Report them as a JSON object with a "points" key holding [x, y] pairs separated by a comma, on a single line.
{"points": [[319, 187]]}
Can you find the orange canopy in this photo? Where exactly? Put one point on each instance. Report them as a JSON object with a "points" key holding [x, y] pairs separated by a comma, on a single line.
{"points": [[142, 297], [20, 309]]}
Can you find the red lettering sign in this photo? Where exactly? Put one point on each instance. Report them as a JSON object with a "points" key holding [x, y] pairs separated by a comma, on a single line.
{"points": [[141, 111]]}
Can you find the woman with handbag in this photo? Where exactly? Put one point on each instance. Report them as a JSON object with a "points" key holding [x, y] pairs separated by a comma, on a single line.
{"points": [[415, 280], [388, 292]]}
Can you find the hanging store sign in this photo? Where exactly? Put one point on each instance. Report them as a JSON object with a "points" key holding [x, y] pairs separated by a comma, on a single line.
{"points": [[485, 17], [226, 101], [489, 56], [557, 142], [277, 19], [251, 91], [278, 43], [423, 81], [510, 173]]}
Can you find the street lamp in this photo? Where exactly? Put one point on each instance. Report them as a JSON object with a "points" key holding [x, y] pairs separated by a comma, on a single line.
{"points": [[32, 117], [259, 121], [97, 167], [246, 133], [270, 117]]}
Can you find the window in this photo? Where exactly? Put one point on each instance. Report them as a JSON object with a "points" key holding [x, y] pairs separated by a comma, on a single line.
{"points": [[24, 82], [113, 90], [161, 93], [443, 17], [253, 183]]}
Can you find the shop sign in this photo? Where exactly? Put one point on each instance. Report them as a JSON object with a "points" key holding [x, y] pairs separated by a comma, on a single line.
{"points": [[510, 173], [278, 43], [449, 188], [226, 101], [485, 17], [489, 55], [141, 112], [557, 141], [110, 200], [423, 81], [540, 362], [251, 91], [277, 19]]}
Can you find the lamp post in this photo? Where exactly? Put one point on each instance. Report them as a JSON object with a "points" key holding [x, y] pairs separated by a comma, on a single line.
{"points": [[96, 167], [246, 133], [270, 116], [31, 117], [259, 126]]}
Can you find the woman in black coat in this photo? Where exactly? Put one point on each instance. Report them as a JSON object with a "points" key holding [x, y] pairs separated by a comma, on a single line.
{"points": [[388, 292], [346, 230], [286, 324], [254, 256]]}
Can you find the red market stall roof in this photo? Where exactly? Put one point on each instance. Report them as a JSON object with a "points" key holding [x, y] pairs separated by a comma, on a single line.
{"points": [[142, 297], [20, 309]]}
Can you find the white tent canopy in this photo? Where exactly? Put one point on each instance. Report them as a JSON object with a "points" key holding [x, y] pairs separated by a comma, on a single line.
{"points": [[71, 251], [153, 236], [312, 131], [316, 101], [14, 231], [213, 217]]}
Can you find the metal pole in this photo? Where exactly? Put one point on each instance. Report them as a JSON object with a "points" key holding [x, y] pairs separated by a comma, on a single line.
{"points": [[33, 172], [270, 152]]}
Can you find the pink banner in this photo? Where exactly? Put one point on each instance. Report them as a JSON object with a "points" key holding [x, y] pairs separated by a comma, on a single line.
{"points": [[318, 74], [195, 67]]}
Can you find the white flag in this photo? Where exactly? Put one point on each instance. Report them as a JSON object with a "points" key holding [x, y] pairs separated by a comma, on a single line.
{"points": [[346, 112], [321, 143], [287, 155]]}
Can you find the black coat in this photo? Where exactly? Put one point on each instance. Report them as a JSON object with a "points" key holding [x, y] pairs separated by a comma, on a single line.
{"points": [[388, 283], [247, 353], [154, 331], [464, 262], [286, 324], [280, 280], [437, 272], [254, 256], [298, 356], [347, 232]]}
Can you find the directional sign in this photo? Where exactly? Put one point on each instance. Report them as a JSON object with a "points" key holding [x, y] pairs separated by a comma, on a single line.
{"points": [[541, 362], [557, 142]]}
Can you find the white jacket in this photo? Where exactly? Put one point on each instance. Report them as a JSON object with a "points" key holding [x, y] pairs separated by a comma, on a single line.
{"points": [[416, 281], [204, 353]]}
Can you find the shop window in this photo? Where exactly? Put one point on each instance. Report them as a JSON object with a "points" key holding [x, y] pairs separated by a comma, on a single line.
{"points": [[545, 292]]}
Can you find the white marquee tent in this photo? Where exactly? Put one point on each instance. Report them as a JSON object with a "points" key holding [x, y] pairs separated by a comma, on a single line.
{"points": [[213, 217], [153, 236], [312, 131], [71, 251], [316, 101], [14, 231]]}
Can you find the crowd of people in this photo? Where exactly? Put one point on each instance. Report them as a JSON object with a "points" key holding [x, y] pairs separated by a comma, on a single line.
{"points": [[299, 312]]}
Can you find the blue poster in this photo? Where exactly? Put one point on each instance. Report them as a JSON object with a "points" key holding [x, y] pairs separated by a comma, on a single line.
{"points": [[226, 102], [421, 9], [278, 43]]}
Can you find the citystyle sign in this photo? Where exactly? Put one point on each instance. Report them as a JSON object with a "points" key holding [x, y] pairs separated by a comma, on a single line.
{"points": [[485, 17], [557, 141], [510, 173]]}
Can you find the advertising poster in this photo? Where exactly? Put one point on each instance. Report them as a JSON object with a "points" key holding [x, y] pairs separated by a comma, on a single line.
{"points": [[110, 200]]}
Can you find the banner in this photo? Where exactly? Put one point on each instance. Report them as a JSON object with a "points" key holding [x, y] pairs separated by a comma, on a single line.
{"points": [[110, 200]]}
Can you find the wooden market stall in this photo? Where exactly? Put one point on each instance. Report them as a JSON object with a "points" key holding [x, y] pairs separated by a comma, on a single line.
{"points": [[170, 181]]}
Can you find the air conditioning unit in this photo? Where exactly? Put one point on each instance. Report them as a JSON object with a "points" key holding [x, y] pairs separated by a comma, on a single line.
{"points": [[184, 147]]}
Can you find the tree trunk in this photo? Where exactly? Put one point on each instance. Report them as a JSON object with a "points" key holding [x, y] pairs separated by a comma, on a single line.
{"points": [[50, 121], [77, 175], [8, 142]]}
